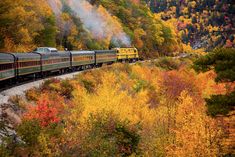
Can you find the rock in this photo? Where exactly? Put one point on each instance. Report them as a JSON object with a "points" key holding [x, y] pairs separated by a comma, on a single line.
{"points": [[12, 116]]}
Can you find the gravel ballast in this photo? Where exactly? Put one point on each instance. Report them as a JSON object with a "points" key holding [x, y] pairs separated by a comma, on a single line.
{"points": [[20, 90]]}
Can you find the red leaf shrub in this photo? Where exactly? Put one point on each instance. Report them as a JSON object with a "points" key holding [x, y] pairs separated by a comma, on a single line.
{"points": [[46, 111]]}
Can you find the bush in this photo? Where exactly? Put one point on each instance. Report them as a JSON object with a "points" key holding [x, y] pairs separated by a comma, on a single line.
{"points": [[32, 94], [167, 63], [18, 102], [29, 131], [108, 136], [88, 85], [47, 84], [140, 85], [66, 89]]}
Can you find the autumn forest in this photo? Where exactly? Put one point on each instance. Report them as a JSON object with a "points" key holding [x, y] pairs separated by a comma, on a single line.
{"points": [[177, 101]]}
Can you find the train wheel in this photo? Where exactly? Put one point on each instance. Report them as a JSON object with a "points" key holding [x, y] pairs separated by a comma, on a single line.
{"points": [[34, 77]]}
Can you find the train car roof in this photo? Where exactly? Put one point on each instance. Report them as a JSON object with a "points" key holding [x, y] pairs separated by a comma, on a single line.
{"points": [[104, 51], [54, 54], [6, 57], [26, 55], [82, 52], [119, 48]]}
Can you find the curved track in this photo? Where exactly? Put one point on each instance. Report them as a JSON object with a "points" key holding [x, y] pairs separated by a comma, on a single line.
{"points": [[20, 89]]}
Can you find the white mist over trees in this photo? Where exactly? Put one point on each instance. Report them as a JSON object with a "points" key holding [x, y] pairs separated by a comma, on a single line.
{"points": [[96, 20], [56, 6], [99, 22]]}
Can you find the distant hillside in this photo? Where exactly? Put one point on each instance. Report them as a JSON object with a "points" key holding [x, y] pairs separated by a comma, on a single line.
{"points": [[202, 23], [81, 24]]}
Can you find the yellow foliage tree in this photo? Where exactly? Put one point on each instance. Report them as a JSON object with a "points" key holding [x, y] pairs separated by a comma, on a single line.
{"points": [[196, 134], [138, 33], [21, 22]]}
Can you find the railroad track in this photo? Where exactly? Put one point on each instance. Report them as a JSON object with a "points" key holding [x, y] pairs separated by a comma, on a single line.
{"points": [[21, 87], [27, 80]]}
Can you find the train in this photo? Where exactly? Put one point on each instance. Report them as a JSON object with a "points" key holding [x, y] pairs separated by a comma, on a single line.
{"points": [[45, 60]]}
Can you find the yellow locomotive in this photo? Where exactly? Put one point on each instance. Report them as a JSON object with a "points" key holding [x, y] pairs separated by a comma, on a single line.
{"points": [[127, 54]]}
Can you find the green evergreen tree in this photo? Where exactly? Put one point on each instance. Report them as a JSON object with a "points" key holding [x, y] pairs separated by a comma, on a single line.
{"points": [[222, 61]]}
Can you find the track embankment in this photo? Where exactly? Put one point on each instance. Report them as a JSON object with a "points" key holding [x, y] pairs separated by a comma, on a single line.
{"points": [[21, 89]]}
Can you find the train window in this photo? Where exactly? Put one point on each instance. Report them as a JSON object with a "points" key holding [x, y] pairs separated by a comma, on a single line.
{"points": [[39, 49], [28, 64], [53, 50], [6, 66], [46, 50], [65, 59], [52, 61]]}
